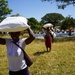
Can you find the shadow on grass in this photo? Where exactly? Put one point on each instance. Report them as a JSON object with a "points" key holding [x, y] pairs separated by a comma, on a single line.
{"points": [[39, 53], [1, 74]]}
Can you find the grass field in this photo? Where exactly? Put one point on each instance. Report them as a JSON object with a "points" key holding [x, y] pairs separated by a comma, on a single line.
{"points": [[60, 61]]}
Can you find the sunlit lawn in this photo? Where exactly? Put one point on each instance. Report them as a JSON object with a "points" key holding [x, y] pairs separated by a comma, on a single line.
{"points": [[60, 61]]}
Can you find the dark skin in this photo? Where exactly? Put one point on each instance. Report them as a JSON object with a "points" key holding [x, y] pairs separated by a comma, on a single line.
{"points": [[15, 37]]}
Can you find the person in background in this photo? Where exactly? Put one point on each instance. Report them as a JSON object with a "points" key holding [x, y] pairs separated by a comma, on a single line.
{"points": [[16, 61], [70, 31], [48, 38]]}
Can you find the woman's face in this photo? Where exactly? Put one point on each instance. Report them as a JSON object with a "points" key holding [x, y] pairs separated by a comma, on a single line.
{"points": [[15, 35]]}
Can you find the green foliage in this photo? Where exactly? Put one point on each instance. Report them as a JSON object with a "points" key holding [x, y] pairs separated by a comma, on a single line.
{"points": [[4, 10], [53, 18], [16, 15], [67, 23], [62, 3], [34, 24]]}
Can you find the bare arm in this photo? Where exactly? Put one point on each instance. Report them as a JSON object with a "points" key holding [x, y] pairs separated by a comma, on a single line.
{"points": [[31, 36], [2, 41]]}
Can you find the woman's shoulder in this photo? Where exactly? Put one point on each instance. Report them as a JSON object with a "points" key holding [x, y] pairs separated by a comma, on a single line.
{"points": [[8, 39]]}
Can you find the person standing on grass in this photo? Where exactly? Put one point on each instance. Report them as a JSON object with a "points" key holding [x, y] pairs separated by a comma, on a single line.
{"points": [[16, 62], [48, 38]]}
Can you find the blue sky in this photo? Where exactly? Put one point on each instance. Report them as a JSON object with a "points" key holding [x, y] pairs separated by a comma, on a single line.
{"points": [[37, 9]]}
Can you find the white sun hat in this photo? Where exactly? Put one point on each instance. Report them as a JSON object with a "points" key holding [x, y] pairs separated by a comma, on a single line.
{"points": [[14, 24], [48, 25]]}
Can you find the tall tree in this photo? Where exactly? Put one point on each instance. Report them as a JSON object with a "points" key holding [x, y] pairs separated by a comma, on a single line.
{"points": [[62, 3], [67, 23], [4, 10], [53, 18], [34, 23]]}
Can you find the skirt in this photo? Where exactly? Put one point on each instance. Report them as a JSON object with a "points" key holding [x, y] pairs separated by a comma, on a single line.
{"points": [[48, 41], [21, 72]]}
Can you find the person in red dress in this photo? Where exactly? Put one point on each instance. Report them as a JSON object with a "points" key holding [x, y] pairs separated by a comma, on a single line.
{"points": [[48, 39]]}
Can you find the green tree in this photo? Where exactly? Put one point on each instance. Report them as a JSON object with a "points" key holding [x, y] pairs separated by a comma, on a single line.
{"points": [[34, 23], [16, 15], [53, 18], [4, 10], [67, 23], [62, 3]]}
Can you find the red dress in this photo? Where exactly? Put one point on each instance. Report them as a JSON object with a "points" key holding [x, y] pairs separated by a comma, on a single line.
{"points": [[48, 41]]}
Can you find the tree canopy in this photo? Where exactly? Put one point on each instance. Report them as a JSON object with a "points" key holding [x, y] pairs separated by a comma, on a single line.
{"points": [[16, 15], [67, 23], [53, 18], [34, 23], [4, 10], [62, 3]]}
